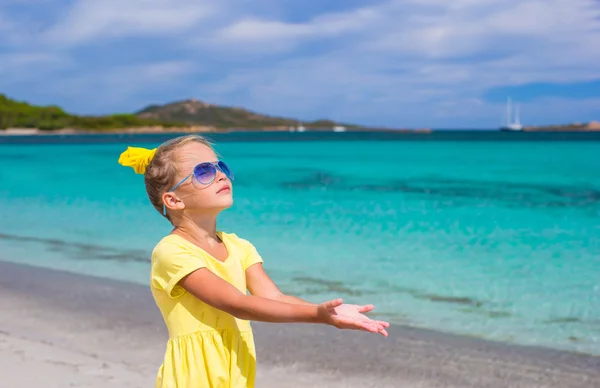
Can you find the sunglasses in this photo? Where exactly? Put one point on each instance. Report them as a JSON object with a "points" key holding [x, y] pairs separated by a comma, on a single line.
{"points": [[205, 173]]}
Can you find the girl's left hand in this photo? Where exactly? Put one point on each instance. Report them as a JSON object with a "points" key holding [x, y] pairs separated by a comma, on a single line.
{"points": [[346, 313]]}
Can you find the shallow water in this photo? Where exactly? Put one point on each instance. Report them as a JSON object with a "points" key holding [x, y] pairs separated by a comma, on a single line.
{"points": [[496, 239]]}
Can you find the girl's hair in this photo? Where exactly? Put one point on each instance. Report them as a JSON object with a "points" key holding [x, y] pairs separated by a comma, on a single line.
{"points": [[162, 170]]}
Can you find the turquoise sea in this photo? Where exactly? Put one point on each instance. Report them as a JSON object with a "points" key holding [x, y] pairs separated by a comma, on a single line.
{"points": [[480, 234]]}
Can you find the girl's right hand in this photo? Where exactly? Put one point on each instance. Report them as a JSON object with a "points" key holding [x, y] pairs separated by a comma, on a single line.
{"points": [[351, 317]]}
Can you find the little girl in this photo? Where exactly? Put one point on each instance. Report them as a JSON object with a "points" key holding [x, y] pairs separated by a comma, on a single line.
{"points": [[199, 275]]}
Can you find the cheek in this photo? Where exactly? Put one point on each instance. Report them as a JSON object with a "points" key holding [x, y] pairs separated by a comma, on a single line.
{"points": [[204, 195], [203, 192], [201, 196]]}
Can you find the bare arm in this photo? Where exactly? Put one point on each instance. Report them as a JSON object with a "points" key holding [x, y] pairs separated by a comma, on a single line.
{"points": [[216, 292], [293, 299], [213, 290], [260, 284]]}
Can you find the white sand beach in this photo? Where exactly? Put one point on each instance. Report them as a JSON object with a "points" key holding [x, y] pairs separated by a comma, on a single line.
{"points": [[63, 330]]}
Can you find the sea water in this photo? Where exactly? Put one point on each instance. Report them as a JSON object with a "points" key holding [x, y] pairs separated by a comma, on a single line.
{"points": [[496, 239]]}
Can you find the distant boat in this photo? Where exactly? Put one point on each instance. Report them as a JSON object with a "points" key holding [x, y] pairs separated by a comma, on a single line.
{"points": [[299, 128], [510, 124]]}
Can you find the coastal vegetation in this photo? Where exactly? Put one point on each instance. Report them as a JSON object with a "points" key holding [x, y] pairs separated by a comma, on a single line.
{"points": [[187, 116], [180, 114], [17, 114]]}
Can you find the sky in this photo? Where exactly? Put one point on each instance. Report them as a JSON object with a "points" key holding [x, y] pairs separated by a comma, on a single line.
{"points": [[392, 63]]}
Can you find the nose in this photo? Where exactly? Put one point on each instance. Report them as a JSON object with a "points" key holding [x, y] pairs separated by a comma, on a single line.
{"points": [[220, 175]]}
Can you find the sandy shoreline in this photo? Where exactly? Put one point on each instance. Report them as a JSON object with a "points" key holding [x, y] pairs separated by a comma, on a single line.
{"points": [[88, 332]]}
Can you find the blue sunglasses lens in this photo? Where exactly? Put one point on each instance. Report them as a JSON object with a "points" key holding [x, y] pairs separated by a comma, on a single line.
{"points": [[205, 173], [225, 169]]}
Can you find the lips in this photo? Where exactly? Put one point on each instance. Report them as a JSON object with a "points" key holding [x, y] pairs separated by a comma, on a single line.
{"points": [[224, 189]]}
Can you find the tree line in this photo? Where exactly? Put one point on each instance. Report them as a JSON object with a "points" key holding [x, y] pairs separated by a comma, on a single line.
{"points": [[16, 114]]}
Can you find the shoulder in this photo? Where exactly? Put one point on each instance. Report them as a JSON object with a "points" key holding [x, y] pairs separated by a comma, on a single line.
{"points": [[234, 239], [170, 248], [169, 244], [241, 244], [173, 258], [247, 252]]}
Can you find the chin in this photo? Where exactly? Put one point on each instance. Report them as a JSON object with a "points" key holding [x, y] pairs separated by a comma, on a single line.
{"points": [[225, 204], [212, 205]]}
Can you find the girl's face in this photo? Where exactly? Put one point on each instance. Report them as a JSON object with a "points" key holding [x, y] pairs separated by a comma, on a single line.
{"points": [[200, 193]]}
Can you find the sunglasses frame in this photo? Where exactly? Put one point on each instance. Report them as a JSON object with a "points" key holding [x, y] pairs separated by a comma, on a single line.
{"points": [[216, 166]]}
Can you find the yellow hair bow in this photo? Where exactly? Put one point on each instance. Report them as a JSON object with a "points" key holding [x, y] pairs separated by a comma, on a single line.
{"points": [[137, 158]]}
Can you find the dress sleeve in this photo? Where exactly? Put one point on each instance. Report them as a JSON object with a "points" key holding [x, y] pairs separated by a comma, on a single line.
{"points": [[171, 262], [251, 255]]}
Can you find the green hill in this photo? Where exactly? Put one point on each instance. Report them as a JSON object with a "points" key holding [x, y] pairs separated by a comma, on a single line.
{"points": [[196, 112], [18, 114]]}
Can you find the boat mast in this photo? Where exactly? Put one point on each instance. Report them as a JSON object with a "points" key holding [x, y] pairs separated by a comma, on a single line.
{"points": [[508, 111]]}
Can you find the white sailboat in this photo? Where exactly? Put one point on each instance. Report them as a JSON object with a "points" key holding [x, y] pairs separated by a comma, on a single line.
{"points": [[510, 124]]}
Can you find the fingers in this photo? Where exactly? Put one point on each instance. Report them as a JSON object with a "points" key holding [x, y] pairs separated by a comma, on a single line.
{"points": [[381, 330], [366, 308], [382, 326], [366, 325], [355, 320], [332, 304], [376, 327]]}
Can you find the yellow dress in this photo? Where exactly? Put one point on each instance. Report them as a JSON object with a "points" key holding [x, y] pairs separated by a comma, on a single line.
{"points": [[207, 347]]}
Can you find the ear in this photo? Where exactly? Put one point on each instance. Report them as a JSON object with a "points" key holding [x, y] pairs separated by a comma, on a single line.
{"points": [[172, 201]]}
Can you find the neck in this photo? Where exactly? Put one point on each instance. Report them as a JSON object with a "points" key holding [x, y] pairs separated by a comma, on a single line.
{"points": [[198, 228]]}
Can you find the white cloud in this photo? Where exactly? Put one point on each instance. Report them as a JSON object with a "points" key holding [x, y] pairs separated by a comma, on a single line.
{"points": [[91, 19], [533, 29], [406, 61], [402, 53], [258, 30], [440, 29]]}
